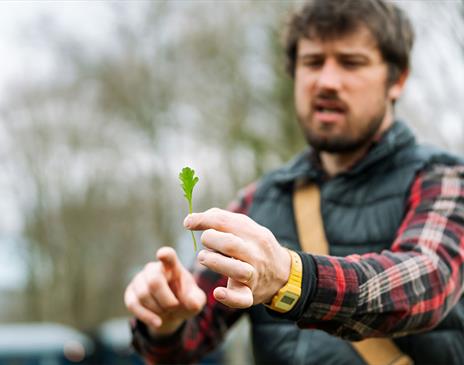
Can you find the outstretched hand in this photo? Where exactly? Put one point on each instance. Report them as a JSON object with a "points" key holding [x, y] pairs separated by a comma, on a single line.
{"points": [[247, 253], [164, 294]]}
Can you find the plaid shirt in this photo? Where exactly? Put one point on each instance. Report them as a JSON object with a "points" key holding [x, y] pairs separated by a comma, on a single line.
{"points": [[406, 289]]}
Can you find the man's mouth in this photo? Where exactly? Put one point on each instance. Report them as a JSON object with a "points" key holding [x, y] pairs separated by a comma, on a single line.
{"points": [[329, 112], [329, 106]]}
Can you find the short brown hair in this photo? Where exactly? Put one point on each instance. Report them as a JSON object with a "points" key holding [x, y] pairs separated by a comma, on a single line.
{"points": [[329, 19]]}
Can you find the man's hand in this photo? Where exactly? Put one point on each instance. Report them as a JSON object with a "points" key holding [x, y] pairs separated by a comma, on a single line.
{"points": [[164, 294], [248, 253]]}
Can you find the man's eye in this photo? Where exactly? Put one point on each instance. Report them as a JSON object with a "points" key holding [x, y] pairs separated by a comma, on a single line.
{"points": [[312, 63], [351, 64]]}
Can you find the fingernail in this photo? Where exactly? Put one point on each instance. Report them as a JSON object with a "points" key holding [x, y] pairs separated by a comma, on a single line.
{"points": [[201, 256], [220, 294], [187, 221]]}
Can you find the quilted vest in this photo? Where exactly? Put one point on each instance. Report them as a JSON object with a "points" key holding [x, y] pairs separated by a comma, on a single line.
{"points": [[362, 210]]}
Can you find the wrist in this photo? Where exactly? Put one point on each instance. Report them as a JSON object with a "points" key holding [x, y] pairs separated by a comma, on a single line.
{"points": [[166, 329], [286, 268], [289, 293], [282, 273]]}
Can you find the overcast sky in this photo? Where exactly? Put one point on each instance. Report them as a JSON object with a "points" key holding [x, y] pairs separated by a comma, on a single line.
{"points": [[18, 57]]}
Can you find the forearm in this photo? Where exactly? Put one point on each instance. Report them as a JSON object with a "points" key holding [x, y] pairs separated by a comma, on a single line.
{"points": [[409, 288], [387, 294]]}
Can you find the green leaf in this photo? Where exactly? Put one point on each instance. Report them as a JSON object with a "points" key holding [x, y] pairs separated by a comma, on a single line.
{"points": [[188, 180]]}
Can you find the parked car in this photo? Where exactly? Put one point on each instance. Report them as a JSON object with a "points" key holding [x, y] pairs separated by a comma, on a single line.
{"points": [[43, 344]]}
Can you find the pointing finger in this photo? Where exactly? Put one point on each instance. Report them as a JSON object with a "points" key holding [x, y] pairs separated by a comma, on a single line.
{"points": [[170, 261], [160, 290], [186, 290]]}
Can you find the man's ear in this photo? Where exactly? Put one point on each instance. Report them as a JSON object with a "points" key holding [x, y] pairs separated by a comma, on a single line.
{"points": [[395, 90]]}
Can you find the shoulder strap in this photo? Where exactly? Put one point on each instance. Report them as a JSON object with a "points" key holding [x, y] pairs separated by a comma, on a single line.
{"points": [[307, 209]]}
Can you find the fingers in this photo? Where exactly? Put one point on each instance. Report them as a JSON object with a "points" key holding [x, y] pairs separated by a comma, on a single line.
{"points": [[218, 219], [158, 290], [187, 291], [153, 292], [170, 261], [236, 295], [228, 266], [144, 297], [149, 296], [145, 315], [164, 294], [226, 243]]}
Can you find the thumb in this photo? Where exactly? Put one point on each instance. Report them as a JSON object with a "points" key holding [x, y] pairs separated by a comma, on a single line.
{"points": [[236, 295], [171, 263]]}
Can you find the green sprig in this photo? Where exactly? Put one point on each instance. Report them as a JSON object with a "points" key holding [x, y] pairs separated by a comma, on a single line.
{"points": [[187, 181]]}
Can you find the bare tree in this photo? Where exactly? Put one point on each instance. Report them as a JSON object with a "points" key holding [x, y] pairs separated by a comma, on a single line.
{"points": [[97, 148]]}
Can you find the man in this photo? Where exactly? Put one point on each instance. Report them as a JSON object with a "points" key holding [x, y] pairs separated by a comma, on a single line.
{"points": [[392, 211]]}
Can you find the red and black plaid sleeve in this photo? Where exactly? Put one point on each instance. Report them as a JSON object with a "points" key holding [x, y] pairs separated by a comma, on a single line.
{"points": [[201, 334], [406, 289]]}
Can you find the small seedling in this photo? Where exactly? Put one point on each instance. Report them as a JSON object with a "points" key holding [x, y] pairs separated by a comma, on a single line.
{"points": [[187, 181]]}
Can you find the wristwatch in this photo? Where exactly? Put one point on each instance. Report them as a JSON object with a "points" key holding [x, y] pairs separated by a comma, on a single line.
{"points": [[288, 295]]}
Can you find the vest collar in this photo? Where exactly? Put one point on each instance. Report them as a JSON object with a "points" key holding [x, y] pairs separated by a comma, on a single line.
{"points": [[305, 167]]}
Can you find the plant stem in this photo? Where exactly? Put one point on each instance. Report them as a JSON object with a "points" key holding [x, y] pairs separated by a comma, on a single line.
{"points": [[193, 236], [194, 241]]}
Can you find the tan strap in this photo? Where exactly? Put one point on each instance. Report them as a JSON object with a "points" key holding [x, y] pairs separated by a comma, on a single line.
{"points": [[307, 208], [381, 351]]}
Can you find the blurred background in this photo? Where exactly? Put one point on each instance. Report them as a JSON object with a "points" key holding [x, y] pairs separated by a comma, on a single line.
{"points": [[102, 104]]}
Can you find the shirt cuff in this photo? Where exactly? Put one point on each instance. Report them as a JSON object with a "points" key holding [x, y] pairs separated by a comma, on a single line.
{"points": [[140, 333], [308, 289]]}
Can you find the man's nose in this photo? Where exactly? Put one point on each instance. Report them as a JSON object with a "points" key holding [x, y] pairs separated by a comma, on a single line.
{"points": [[329, 76]]}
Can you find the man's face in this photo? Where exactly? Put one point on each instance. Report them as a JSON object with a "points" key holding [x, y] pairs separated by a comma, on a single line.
{"points": [[341, 93]]}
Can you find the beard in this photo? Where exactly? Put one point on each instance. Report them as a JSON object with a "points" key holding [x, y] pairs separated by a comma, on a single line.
{"points": [[344, 143]]}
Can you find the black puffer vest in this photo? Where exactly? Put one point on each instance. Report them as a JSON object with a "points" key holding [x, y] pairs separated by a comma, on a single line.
{"points": [[362, 210]]}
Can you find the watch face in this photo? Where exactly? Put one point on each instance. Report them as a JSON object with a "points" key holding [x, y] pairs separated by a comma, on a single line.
{"points": [[287, 300]]}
